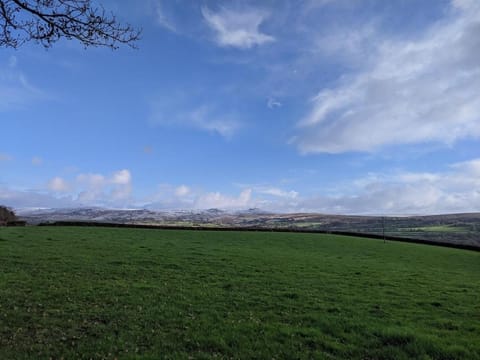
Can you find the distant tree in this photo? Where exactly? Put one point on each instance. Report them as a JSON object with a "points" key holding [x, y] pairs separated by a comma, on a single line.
{"points": [[6, 215], [47, 21]]}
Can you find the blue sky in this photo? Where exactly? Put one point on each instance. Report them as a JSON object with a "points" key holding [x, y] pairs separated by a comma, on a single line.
{"points": [[354, 107]]}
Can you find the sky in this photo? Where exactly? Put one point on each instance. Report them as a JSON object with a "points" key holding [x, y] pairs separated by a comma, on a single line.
{"points": [[343, 107]]}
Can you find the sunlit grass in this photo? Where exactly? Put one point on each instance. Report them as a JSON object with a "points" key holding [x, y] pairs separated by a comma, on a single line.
{"points": [[82, 292]]}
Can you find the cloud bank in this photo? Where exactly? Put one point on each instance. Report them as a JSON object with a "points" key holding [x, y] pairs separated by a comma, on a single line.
{"points": [[457, 189], [422, 90]]}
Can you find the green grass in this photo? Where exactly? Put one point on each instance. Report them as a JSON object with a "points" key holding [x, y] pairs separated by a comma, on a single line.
{"points": [[100, 293], [444, 228]]}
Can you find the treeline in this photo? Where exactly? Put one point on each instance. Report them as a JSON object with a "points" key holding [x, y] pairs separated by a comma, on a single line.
{"points": [[6, 215]]}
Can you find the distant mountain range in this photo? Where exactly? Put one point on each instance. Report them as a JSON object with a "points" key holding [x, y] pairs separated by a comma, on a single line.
{"points": [[456, 228], [138, 216]]}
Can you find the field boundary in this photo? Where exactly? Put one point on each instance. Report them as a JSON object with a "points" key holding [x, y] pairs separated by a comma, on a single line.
{"points": [[263, 229]]}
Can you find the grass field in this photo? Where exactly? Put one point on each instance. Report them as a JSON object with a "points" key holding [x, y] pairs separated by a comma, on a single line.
{"points": [[148, 294], [443, 228]]}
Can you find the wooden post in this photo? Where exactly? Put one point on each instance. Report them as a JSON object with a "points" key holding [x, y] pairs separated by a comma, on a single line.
{"points": [[383, 228]]}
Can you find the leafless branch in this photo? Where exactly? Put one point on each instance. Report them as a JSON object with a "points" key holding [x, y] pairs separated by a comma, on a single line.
{"points": [[47, 21]]}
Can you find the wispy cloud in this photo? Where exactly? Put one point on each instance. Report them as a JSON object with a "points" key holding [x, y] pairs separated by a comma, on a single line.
{"points": [[272, 103], [162, 16], [37, 161], [238, 28], [203, 117], [276, 192], [352, 45], [15, 87], [414, 91]]}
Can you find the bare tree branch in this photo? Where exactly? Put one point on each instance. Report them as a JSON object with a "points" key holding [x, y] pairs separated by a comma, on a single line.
{"points": [[47, 21]]}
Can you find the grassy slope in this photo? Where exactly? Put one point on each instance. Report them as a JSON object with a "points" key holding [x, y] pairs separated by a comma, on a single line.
{"points": [[444, 228], [132, 293]]}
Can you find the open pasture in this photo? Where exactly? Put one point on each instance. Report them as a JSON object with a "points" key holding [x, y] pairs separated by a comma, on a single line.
{"points": [[80, 292]]}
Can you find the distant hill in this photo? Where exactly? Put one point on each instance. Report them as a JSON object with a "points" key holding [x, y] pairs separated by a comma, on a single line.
{"points": [[452, 228]]}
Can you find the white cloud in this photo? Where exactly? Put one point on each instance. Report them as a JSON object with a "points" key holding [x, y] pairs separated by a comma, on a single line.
{"points": [[465, 5], [221, 201], [454, 190], [273, 103], [470, 168], [122, 177], [203, 118], [58, 184], [182, 191], [162, 17], [353, 43], [413, 91], [121, 193], [273, 191], [122, 181], [110, 190], [94, 181], [92, 186], [237, 28], [170, 197], [189, 198]]}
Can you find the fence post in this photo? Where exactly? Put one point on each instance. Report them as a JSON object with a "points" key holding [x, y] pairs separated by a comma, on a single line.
{"points": [[383, 228]]}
